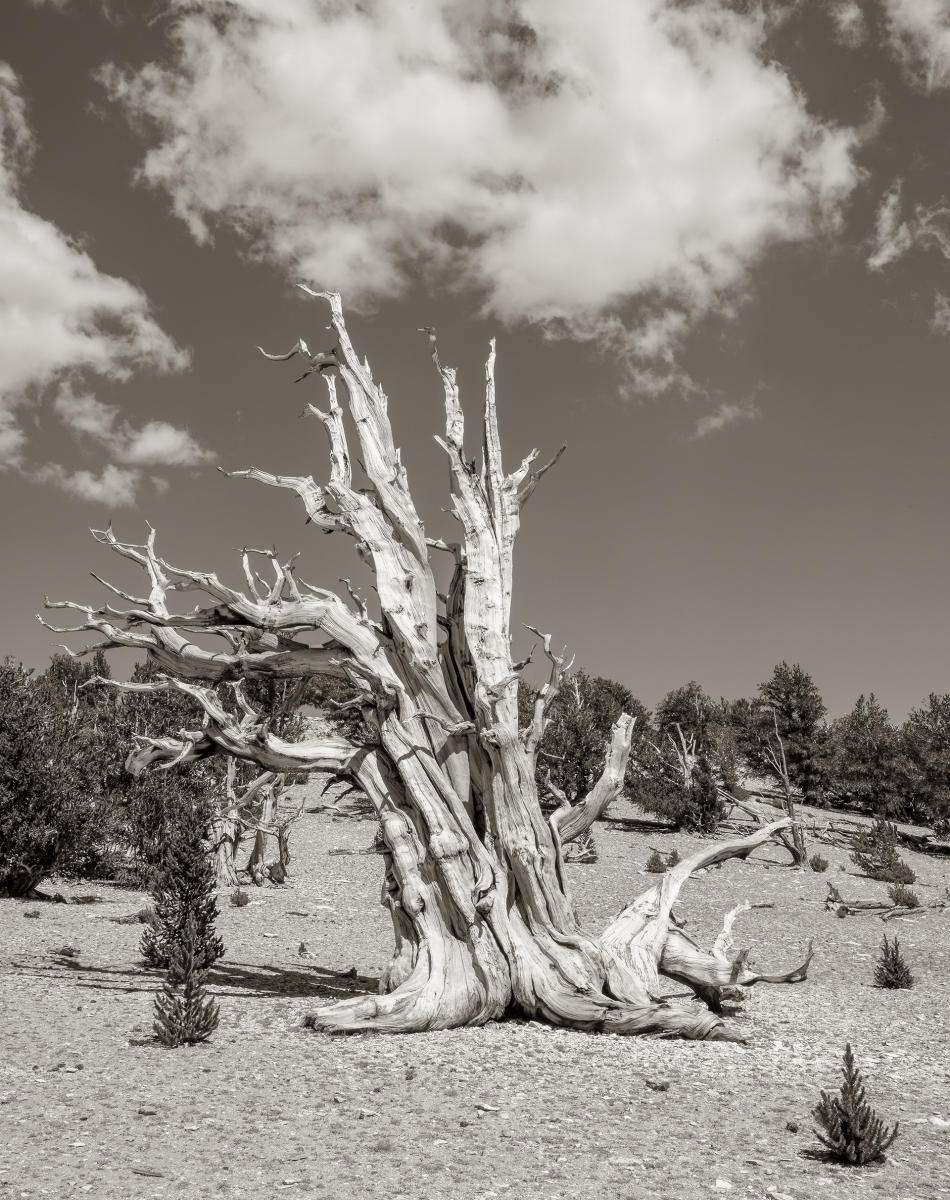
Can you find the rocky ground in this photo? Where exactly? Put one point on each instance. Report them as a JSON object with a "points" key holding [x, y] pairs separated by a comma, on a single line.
{"points": [[90, 1105]]}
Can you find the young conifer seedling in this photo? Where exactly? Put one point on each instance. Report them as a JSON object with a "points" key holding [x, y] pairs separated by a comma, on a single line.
{"points": [[184, 1012], [184, 885], [853, 1132], [891, 969]]}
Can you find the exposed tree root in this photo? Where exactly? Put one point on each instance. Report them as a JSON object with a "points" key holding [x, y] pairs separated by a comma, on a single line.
{"points": [[610, 985]]}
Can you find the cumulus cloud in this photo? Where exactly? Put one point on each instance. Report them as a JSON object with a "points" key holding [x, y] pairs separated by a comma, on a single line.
{"points": [[892, 234], [12, 440], [919, 31], [564, 159], [114, 486], [850, 24], [728, 413], [156, 442], [58, 312]]}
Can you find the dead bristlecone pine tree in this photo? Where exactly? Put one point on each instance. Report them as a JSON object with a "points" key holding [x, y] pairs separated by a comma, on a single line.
{"points": [[850, 1129], [185, 1013], [891, 969], [183, 889], [474, 879]]}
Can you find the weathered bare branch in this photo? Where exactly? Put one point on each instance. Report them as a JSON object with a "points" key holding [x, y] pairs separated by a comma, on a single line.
{"points": [[546, 696], [573, 822]]}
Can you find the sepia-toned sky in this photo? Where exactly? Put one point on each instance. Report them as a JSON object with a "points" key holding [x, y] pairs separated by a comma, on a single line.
{"points": [[713, 240]]}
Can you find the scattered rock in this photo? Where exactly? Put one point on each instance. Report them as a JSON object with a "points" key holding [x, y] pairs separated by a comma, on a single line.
{"points": [[137, 918], [658, 1085]]}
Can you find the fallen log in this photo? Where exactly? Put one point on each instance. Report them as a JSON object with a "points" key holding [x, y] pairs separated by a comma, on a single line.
{"points": [[885, 909]]}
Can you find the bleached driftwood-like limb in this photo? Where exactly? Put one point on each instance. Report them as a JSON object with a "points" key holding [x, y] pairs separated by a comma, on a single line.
{"points": [[546, 696], [576, 820], [887, 910], [473, 879], [642, 945]]}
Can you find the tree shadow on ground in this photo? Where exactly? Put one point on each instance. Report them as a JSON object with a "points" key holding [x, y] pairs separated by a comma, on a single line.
{"points": [[225, 978], [638, 825], [827, 1159]]}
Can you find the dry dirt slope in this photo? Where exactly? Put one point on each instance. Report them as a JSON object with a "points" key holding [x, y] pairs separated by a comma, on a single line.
{"points": [[89, 1106]]}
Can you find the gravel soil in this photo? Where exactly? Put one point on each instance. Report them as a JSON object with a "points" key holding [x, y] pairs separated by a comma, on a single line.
{"points": [[90, 1105]]}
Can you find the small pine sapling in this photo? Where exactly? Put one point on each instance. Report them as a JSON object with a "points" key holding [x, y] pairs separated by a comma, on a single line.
{"points": [[853, 1132], [817, 863], [902, 896], [240, 898], [656, 864], [184, 885], [891, 969], [184, 1012]]}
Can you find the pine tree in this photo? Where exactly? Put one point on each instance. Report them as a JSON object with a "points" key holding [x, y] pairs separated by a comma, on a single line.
{"points": [[184, 887], [793, 701], [184, 1012], [867, 765], [854, 1134], [925, 738], [891, 969]]}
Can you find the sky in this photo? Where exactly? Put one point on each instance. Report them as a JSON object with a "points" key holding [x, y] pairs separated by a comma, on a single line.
{"points": [[712, 239]]}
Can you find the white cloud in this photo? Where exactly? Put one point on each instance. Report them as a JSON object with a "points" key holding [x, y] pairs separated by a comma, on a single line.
{"points": [[565, 159], [728, 413], [920, 34], [850, 24], [84, 414], [12, 440], [933, 227], [156, 442], [58, 311], [892, 235], [114, 486], [159, 442], [940, 321]]}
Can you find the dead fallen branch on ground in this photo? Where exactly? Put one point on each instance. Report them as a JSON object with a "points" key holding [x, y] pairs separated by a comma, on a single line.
{"points": [[885, 909]]}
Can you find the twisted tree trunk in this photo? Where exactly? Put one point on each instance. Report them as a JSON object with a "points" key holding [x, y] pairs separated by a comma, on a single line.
{"points": [[474, 878]]}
